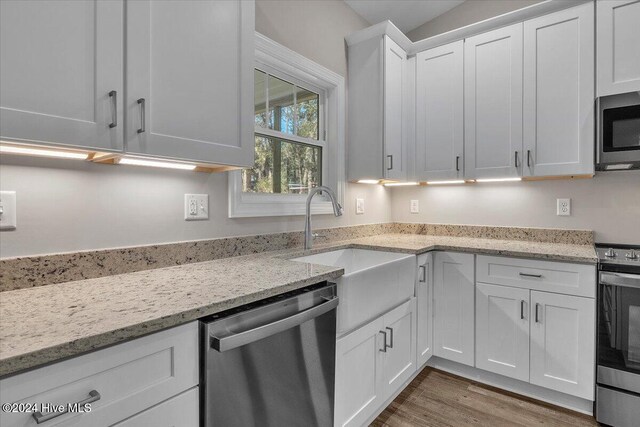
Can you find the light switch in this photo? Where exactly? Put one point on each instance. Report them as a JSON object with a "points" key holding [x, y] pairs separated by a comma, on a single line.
{"points": [[359, 206], [196, 206], [8, 217], [415, 207], [563, 207]]}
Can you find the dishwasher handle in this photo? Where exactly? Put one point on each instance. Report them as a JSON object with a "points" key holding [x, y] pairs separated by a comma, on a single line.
{"points": [[247, 337]]}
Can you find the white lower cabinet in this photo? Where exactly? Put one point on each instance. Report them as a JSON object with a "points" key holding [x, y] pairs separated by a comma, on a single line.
{"points": [[181, 410], [454, 309], [563, 343], [502, 330], [424, 309], [372, 363]]}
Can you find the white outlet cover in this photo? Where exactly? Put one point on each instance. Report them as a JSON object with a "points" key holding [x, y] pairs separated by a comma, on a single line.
{"points": [[563, 207], [8, 216], [359, 206], [196, 207], [415, 206]]}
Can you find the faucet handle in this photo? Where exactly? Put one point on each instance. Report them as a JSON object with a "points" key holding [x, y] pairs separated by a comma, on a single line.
{"points": [[320, 236]]}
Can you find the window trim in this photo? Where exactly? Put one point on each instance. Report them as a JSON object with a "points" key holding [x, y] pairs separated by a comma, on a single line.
{"points": [[289, 64]]}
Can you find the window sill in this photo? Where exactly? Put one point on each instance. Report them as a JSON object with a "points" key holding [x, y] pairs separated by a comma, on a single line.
{"points": [[264, 206]]}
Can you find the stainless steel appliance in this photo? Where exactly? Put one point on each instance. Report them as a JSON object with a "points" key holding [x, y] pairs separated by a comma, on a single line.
{"points": [[619, 132], [618, 354], [271, 363]]}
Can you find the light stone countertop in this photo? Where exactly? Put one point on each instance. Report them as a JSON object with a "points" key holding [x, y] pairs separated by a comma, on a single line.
{"points": [[49, 323]]}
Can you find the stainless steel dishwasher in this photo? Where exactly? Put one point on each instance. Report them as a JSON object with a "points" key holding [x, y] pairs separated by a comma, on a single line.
{"points": [[271, 363]]}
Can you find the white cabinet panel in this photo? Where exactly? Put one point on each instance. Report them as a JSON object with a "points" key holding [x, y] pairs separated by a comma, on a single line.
{"points": [[400, 358], [59, 61], [359, 390], [424, 308], [454, 307], [182, 411], [502, 330], [559, 93], [192, 64], [563, 343], [493, 103], [395, 60], [618, 32], [440, 113]]}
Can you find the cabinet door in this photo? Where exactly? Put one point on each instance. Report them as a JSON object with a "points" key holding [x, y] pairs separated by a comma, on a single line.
{"points": [[399, 361], [563, 343], [59, 61], [424, 308], [559, 93], [394, 115], [440, 113], [454, 307], [358, 374], [502, 330], [618, 47], [493, 103], [192, 64], [181, 410]]}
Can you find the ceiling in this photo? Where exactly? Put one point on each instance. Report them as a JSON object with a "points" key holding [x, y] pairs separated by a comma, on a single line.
{"points": [[405, 14]]}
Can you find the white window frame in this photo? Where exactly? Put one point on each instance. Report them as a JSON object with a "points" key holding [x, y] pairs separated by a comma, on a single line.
{"points": [[284, 63]]}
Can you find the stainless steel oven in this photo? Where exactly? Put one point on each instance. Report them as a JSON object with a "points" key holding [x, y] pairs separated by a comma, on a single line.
{"points": [[618, 370], [619, 132]]}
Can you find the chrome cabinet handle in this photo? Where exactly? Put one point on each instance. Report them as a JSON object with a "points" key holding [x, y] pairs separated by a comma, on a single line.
{"points": [[390, 158], [521, 309], [390, 337], [537, 316], [114, 108], [516, 159], [94, 396], [384, 348], [528, 158], [423, 274], [143, 125], [458, 163], [538, 276]]}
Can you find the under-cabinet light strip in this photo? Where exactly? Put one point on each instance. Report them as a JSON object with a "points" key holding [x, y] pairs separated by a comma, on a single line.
{"points": [[42, 152], [155, 163]]}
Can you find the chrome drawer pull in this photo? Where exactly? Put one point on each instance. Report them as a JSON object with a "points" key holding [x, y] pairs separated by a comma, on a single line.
{"points": [[114, 109], [94, 396], [390, 157], [423, 274], [384, 348], [143, 124], [391, 337], [537, 276]]}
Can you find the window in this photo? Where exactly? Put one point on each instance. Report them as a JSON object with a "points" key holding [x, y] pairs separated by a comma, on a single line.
{"points": [[299, 136], [289, 151]]}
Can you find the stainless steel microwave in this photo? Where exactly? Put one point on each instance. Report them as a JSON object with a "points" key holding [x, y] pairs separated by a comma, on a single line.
{"points": [[618, 132]]}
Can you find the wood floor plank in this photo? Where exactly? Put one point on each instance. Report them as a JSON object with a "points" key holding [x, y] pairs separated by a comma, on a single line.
{"points": [[440, 399]]}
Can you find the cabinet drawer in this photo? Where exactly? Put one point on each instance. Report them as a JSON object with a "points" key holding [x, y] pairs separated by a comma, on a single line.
{"points": [[129, 378], [180, 411], [558, 277]]}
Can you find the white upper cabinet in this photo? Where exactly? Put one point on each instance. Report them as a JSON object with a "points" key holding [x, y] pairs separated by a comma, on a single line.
{"points": [[61, 76], [502, 330], [190, 80], [440, 113], [493, 103], [563, 343], [377, 136], [454, 330], [618, 32], [559, 93]]}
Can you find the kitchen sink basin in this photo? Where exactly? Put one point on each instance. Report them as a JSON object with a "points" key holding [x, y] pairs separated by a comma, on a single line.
{"points": [[373, 283]]}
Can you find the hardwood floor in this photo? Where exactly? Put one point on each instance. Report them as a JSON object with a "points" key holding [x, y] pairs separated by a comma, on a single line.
{"points": [[437, 398]]}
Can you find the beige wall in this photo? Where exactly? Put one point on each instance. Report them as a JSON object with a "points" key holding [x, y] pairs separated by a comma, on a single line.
{"points": [[69, 206], [469, 12], [609, 204]]}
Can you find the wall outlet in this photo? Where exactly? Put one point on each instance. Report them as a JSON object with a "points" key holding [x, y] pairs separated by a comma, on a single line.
{"points": [[563, 207], [196, 206], [359, 206], [8, 215], [415, 207]]}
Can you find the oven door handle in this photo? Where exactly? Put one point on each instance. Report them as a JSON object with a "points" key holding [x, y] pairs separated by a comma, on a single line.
{"points": [[620, 279], [246, 337]]}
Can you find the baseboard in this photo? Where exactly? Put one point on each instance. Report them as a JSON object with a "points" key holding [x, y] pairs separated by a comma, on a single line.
{"points": [[553, 397]]}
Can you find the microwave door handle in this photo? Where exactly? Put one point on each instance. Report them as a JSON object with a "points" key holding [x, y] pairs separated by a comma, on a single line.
{"points": [[599, 141]]}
